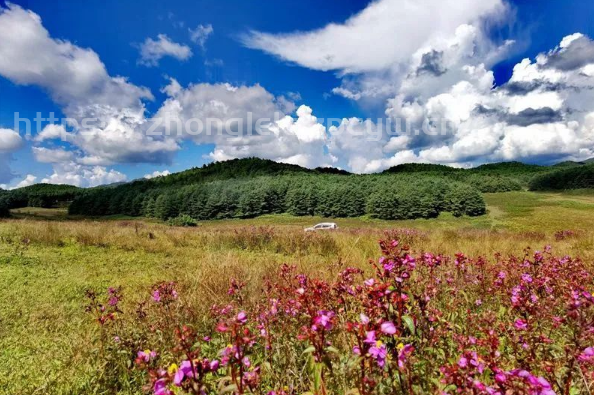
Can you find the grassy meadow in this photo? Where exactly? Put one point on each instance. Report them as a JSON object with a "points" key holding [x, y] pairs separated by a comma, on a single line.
{"points": [[48, 344]]}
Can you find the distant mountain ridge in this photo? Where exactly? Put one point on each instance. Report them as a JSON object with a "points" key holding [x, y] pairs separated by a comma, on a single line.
{"points": [[253, 167]]}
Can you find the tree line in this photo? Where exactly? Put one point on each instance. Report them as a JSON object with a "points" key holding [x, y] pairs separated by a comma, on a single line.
{"points": [[38, 195], [379, 196], [243, 188], [573, 177]]}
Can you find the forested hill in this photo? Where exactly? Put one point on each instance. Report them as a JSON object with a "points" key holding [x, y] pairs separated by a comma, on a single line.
{"points": [[252, 187], [239, 168], [499, 169]]}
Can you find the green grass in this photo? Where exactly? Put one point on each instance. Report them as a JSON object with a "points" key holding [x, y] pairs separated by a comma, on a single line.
{"points": [[39, 212], [48, 260]]}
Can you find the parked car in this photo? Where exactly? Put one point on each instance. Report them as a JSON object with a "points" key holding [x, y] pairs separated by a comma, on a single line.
{"points": [[322, 226]]}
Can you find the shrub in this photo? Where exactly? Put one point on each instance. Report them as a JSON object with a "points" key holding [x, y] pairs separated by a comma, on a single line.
{"points": [[493, 184], [182, 220], [464, 200]]}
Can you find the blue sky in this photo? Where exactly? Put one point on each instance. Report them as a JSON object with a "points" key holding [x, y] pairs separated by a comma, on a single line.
{"points": [[332, 59]]}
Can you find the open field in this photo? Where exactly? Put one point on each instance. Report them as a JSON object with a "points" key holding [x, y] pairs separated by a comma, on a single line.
{"points": [[48, 344]]}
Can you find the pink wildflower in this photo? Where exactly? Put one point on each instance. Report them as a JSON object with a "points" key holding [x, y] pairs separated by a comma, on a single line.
{"points": [[388, 328], [521, 325]]}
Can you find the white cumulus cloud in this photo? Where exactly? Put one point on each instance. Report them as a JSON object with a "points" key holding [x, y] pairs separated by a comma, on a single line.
{"points": [[78, 81], [25, 182], [157, 173], [200, 34], [83, 176], [48, 155], [10, 141], [152, 51], [385, 33]]}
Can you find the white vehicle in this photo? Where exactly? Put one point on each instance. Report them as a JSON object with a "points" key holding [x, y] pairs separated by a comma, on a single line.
{"points": [[322, 226]]}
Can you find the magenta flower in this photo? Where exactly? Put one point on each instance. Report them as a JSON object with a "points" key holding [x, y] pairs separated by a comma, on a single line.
{"points": [[404, 354], [526, 278], [160, 388], [242, 317], [214, 365], [521, 325], [500, 377], [369, 283], [389, 266], [246, 362], [379, 353], [184, 370], [251, 377], [370, 337], [587, 355], [463, 362], [323, 320], [388, 328], [156, 295], [146, 356], [538, 385]]}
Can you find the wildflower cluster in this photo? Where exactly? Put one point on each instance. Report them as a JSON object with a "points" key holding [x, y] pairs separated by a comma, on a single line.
{"points": [[421, 323]]}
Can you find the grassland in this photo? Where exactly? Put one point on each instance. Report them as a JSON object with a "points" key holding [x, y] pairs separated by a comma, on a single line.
{"points": [[48, 260]]}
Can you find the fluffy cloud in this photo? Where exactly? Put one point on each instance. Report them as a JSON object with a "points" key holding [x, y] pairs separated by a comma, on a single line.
{"points": [[152, 51], [543, 113], [403, 26], [52, 131], [574, 52], [73, 76], [246, 120], [200, 34], [83, 176], [157, 173], [208, 113], [418, 42], [435, 72], [25, 182], [299, 141], [357, 142], [121, 136], [47, 155], [107, 114], [243, 121], [10, 141]]}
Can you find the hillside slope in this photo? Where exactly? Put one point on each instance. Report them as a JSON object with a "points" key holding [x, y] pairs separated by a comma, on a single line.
{"points": [[572, 177], [252, 186]]}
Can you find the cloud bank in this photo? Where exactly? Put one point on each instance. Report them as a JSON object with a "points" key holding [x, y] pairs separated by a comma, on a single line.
{"points": [[430, 63]]}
